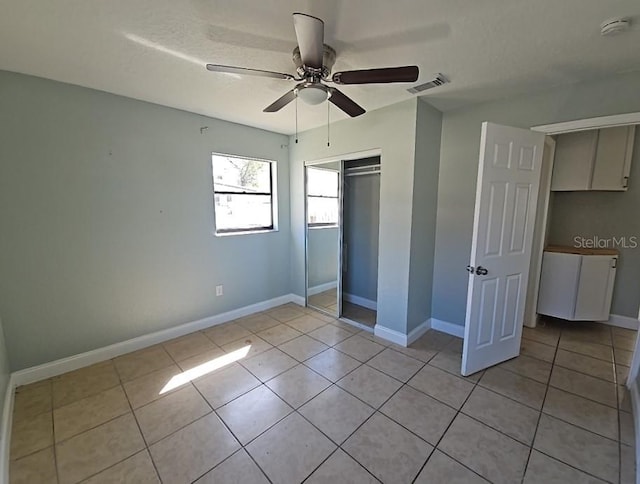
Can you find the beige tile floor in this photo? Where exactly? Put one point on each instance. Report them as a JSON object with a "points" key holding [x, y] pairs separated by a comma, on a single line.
{"points": [[326, 301], [319, 401], [358, 313]]}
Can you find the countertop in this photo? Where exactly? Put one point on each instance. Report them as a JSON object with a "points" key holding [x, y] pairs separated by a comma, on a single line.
{"points": [[565, 249]]}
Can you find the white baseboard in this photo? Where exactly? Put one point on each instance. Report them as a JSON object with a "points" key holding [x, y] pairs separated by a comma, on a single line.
{"points": [[400, 338], [7, 413], [299, 300], [390, 335], [351, 322], [58, 367], [360, 301], [312, 291], [419, 331], [447, 327], [623, 322]]}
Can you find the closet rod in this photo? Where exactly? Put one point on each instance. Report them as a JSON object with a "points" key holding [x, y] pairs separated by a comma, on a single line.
{"points": [[362, 173], [363, 167]]}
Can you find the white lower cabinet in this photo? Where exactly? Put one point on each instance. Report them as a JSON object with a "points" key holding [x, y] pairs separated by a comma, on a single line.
{"points": [[577, 284]]}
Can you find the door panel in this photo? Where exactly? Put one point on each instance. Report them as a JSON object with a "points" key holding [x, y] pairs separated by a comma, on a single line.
{"points": [[593, 301], [512, 302], [520, 217], [506, 200], [497, 205], [488, 304]]}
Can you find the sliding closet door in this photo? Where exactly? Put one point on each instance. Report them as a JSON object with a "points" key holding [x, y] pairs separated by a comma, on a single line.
{"points": [[322, 194]]}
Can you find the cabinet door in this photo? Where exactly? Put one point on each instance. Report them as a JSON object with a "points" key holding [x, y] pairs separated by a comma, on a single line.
{"points": [[613, 158], [595, 289], [559, 284], [574, 158]]}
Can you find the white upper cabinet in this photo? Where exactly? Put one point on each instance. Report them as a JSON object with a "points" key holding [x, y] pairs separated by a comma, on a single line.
{"points": [[613, 158], [593, 160], [573, 162]]}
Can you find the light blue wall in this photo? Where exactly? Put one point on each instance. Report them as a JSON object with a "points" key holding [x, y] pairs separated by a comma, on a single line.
{"points": [[361, 231], [323, 256], [392, 130], [423, 225], [107, 222], [606, 215], [459, 168]]}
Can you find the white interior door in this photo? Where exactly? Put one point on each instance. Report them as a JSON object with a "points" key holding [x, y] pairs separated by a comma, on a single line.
{"points": [[505, 213]]}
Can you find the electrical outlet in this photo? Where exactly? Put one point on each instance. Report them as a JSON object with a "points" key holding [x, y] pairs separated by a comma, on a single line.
{"points": [[219, 290]]}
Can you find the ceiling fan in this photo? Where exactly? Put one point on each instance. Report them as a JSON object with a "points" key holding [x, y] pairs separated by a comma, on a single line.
{"points": [[313, 60]]}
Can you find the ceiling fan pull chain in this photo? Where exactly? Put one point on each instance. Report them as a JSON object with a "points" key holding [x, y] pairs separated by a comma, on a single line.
{"points": [[328, 130], [296, 117]]}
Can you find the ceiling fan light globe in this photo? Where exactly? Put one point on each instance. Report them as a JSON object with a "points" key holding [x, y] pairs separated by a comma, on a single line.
{"points": [[312, 95]]}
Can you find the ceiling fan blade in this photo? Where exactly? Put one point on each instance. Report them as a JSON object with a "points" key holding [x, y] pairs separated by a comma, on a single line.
{"points": [[375, 76], [248, 72], [310, 35], [281, 102], [345, 103]]}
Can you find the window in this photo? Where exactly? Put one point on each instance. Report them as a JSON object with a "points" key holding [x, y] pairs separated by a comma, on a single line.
{"points": [[243, 194], [322, 197]]}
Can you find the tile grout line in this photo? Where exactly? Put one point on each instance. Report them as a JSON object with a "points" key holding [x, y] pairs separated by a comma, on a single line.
{"points": [[582, 396], [144, 449], [144, 440], [147, 445], [569, 423], [111, 466], [571, 466], [377, 410], [458, 412], [53, 429], [549, 385], [480, 384], [565, 367], [213, 411], [544, 398], [615, 373], [202, 416]]}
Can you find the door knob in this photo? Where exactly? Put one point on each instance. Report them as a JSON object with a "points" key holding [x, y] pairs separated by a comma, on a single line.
{"points": [[481, 271], [470, 269]]}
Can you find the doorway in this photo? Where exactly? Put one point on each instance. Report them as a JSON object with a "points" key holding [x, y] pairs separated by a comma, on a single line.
{"points": [[488, 340]]}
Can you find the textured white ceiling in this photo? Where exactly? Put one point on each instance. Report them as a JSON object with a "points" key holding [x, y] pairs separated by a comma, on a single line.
{"points": [[155, 50]]}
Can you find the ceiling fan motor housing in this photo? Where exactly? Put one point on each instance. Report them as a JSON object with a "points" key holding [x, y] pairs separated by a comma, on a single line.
{"points": [[328, 59]]}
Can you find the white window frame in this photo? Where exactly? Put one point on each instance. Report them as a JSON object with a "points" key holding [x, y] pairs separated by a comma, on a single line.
{"points": [[273, 196]]}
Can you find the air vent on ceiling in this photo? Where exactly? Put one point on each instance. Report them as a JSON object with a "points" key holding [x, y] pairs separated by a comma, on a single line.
{"points": [[438, 80], [614, 26]]}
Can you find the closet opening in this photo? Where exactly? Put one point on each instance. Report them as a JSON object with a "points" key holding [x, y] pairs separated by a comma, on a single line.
{"points": [[342, 214], [361, 225]]}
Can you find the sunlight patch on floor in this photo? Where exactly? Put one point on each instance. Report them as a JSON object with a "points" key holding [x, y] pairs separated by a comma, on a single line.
{"points": [[201, 370]]}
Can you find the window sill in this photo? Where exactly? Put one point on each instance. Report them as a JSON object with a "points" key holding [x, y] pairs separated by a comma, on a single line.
{"points": [[244, 232]]}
